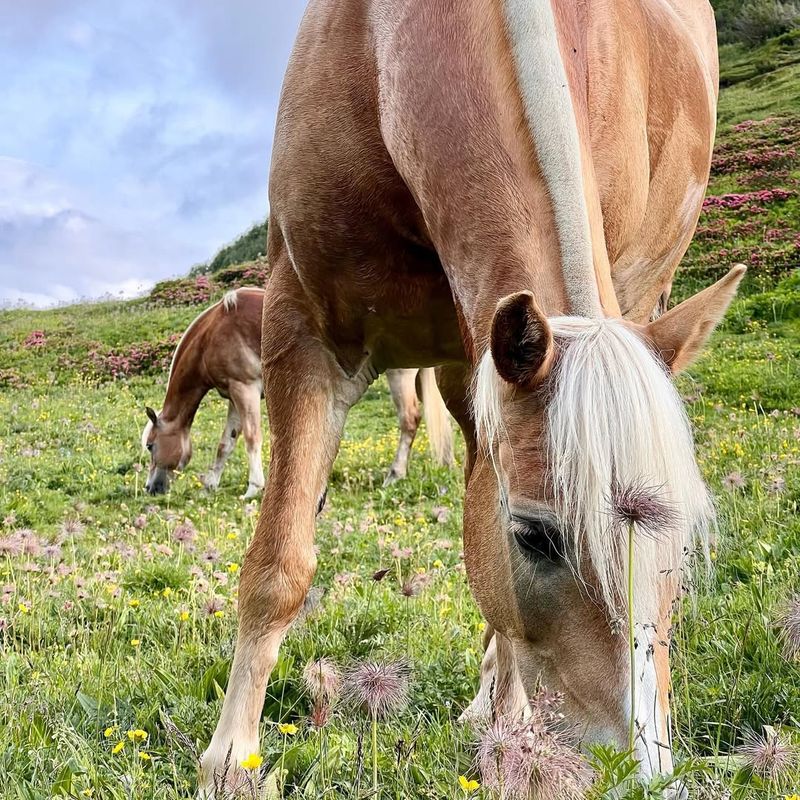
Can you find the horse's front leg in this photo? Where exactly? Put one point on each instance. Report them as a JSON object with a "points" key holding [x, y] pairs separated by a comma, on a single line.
{"points": [[248, 400], [308, 397]]}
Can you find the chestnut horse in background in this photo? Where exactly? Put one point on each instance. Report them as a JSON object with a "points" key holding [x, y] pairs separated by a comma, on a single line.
{"points": [[504, 187], [221, 350]]}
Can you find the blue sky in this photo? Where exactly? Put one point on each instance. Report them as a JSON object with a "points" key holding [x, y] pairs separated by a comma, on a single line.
{"points": [[134, 137]]}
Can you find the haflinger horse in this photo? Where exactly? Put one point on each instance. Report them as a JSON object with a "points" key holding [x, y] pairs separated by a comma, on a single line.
{"points": [[221, 350], [504, 187]]}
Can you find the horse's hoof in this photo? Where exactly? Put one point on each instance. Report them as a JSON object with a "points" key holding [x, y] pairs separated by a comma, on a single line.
{"points": [[252, 491], [209, 484], [392, 477]]}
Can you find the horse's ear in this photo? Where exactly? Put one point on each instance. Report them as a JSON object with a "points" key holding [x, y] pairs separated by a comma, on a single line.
{"points": [[521, 340], [151, 415], [679, 335]]}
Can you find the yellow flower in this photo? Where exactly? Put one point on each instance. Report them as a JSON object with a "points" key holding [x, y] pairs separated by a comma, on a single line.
{"points": [[144, 756], [183, 616], [253, 761], [792, 797], [109, 732], [23, 609], [219, 614], [88, 792], [466, 784], [437, 564], [167, 592], [133, 603], [287, 728], [232, 535], [232, 567], [118, 747], [137, 735], [135, 642]]}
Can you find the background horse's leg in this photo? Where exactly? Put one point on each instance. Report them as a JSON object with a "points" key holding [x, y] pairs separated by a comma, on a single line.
{"points": [[248, 400], [308, 397], [227, 442], [402, 384]]}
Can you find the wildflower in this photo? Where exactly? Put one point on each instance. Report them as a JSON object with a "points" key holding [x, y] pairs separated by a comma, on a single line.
{"points": [[533, 758], [734, 481], [287, 728], [378, 688], [232, 535], [184, 533], [140, 522], [219, 614], [88, 792], [322, 679], [213, 606], [118, 747], [137, 735], [415, 584], [135, 642], [23, 608], [211, 556], [790, 628], [166, 592], [468, 785], [109, 732], [183, 615], [320, 715], [134, 602], [253, 761], [771, 755], [641, 506], [438, 564], [380, 574], [233, 567], [144, 756]]}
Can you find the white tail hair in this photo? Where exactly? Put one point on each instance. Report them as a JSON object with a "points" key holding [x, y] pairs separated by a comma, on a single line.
{"points": [[229, 300], [614, 419], [437, 418]]}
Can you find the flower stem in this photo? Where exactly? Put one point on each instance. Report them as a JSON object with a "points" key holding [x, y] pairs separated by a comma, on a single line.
{"points": [[631, 639], [374, 755]]}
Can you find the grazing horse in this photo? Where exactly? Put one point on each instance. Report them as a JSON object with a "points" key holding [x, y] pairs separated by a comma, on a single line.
{"points": [[504, 187], [221, 350]]}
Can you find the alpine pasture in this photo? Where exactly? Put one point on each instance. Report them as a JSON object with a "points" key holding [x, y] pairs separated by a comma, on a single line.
{"points": [[118, 611]]}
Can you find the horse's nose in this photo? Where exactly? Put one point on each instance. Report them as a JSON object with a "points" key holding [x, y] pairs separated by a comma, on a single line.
{"points": [[157, 487]]}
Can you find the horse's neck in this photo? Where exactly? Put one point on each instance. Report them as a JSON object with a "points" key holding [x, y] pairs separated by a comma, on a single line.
{"points": [[186, 389]]}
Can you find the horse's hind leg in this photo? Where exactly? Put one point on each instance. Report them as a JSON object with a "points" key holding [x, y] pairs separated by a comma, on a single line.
{"points": [[227, 442], [402, 384], [248, 400], [308, 397]]}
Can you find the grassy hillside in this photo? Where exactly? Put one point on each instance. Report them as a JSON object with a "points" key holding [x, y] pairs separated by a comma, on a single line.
{"points": [[117, 611]]}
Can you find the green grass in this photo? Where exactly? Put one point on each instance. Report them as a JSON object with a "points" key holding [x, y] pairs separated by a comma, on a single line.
{"points": [[112, 625]]}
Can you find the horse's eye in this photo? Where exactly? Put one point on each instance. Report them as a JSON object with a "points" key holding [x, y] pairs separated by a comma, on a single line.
{"points": [[150, 446], [537, 538]]}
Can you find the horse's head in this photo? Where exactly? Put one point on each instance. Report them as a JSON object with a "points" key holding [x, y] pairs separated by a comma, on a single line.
{"points": [[170, 449], [572, 413]]}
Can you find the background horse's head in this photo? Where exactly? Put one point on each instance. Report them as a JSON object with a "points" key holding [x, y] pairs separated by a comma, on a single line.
{"points": [[170, 449], [573, 413]]}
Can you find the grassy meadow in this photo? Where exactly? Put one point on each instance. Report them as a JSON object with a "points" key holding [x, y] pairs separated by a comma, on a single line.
{"points": [[118, 611]]}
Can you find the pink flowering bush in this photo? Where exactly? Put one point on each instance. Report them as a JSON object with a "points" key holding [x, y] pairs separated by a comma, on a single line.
{"points": [[183, 292], [35, 340]]}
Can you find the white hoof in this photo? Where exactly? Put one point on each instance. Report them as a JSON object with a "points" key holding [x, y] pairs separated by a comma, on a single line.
{"points": [[392, 476], [252, 491], [210, 482]]}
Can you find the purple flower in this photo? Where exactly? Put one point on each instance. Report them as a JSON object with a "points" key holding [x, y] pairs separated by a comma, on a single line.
{"points": [[184, 533], [789, 622]]}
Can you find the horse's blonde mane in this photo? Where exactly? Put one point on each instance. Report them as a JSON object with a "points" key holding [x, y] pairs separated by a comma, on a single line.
{"points": [[613, 419]]}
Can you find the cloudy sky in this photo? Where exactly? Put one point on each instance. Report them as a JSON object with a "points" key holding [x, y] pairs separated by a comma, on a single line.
{"points": [[134, 137]]}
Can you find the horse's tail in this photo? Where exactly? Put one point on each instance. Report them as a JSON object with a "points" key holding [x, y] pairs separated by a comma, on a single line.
{"points": [[437, 419]]}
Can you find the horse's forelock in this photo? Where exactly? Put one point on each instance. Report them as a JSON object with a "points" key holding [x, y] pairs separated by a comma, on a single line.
{"points": [[614, 420]]}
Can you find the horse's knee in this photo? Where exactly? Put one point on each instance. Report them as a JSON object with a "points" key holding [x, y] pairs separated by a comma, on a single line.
{"points": [[410, 419]]}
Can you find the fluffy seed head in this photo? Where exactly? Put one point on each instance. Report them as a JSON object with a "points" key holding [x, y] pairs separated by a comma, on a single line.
{"points": [[770, 755], [642, 506], [322, 680], [379, 689], [789, 622]]}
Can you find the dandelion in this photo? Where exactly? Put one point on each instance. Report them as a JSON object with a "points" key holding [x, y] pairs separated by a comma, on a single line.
{"points": [[253, 761], [135, 642], [287, 729], [166, 592], [219, 614], [23, 608], [134, 602], [322, 679], [233, 567], [109, 732], [789, 621], [137, 735], [468, 785], [771, 755], [183, 615], [88, 792], [118, 747], [144, 756]]}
